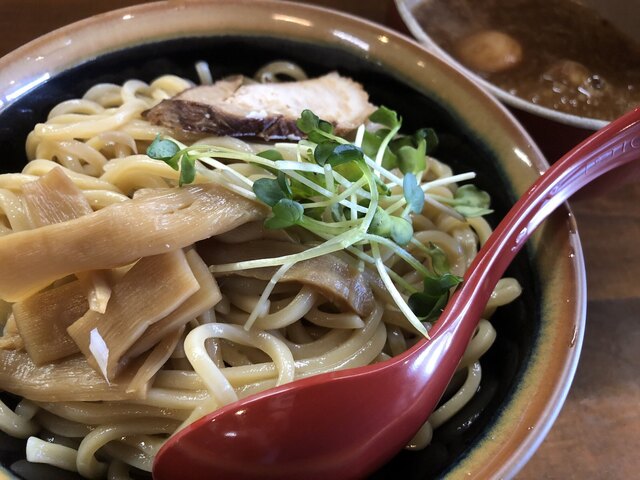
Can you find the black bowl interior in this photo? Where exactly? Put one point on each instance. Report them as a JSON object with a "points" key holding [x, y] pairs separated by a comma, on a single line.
{"points": [[517, 324]]}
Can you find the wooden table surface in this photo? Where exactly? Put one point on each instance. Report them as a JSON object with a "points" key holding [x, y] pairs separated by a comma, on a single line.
{"points": [[598, 431]]}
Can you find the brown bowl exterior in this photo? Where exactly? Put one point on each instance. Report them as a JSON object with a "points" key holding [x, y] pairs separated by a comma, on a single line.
{"points": [[530, 410]]}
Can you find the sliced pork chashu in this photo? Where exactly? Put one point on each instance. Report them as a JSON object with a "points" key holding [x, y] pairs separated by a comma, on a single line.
{"points": [[267, 110]]}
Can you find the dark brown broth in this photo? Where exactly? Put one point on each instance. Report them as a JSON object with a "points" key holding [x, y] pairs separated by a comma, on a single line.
{"points": [[553, 35]]}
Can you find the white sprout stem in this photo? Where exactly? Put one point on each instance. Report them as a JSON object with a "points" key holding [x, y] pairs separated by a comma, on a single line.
{"points": [[347, 184], [407, 210], [444, 208], [292, 147], [401, 252], [314, 186], [229, 186], [327, 203], [359, 136], [226, 169], [397, 206], [324, 225], [420, 246], [240, 191], [309, 183], [384, 144], [328, 178], [299, 155], [335, 244], [207, 152], [354, 211], [289, 165], [342, 198], [447, 180], [221, 152], [264, 298], [381, 171], [395, 294], [366, 258], [354, 216], [373, 204], [399, 280]]}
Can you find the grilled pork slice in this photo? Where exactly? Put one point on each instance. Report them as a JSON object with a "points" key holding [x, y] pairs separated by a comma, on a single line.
{"points": [[267, 110]]}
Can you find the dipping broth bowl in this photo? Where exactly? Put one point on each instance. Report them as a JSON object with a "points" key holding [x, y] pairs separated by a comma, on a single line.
{"points": [[555, 131]]}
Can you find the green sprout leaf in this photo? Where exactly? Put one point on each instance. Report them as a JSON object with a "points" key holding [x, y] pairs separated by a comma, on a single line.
{"points": [[336, 154], [471, 212], [299, 190], [284, 184], [470, 201], [350, 171], [397, 229], [269, 191], [169, 152], [271, 154], [381, 224], [165, 150], [323, 151], [472, 196], [401, 230], [345, 154], [371, 143], [187, 169], [385, 116], [429, 136], [429, 303], [413, 194], [317, 130], [286, 213], [440, 284], [412, 159], [307, 122], [325, 127], [439, 261], [426, 307], [383, 188]]}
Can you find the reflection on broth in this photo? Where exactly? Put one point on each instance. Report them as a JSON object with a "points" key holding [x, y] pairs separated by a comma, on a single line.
{"points": [[555, 53]]}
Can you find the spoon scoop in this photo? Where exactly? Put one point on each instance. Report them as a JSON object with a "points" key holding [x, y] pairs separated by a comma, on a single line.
{"points": [[345, 424]]}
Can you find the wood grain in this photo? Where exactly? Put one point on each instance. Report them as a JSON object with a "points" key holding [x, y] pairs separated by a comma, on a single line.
{"points": [[598, 431]]}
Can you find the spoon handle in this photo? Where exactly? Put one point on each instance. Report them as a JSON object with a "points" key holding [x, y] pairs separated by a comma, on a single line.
{"points": [[614, 145]]}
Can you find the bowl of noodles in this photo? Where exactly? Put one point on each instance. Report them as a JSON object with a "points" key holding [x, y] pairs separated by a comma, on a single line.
{"points": [[176, 179]]}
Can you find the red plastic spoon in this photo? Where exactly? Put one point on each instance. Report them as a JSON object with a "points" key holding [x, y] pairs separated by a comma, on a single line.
{"points": [[348, 423]]}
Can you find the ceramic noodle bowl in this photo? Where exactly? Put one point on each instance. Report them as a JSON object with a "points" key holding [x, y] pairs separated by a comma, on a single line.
{"points": [[527, 372]]}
